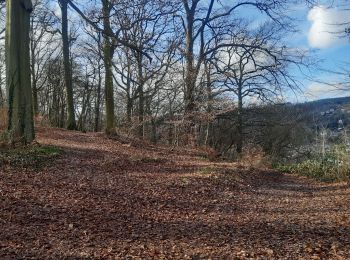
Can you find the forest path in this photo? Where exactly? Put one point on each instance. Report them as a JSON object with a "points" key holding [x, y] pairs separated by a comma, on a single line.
{"points": [[102, 199]]}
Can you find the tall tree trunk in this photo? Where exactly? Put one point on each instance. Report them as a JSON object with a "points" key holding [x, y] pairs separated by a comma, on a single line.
{"points": [[61, 115], [80, 124], [71, 124], [239, 147], [129, 95], [190, 73], [55, 112], [34, 81], [35, 99], [141, 111], [154, 131], [209, 103], [190, 79], [98, 101], [108, 55], [35, 91], [1, 93], [20, 111], [129, 106], [140, 91], [85, 106]]}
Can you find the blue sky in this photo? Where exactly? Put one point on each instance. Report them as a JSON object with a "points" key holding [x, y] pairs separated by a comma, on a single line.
{"points": [[321, 33]]}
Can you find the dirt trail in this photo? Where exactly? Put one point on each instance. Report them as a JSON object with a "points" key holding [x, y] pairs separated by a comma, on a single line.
{"points": [[103, 199]]}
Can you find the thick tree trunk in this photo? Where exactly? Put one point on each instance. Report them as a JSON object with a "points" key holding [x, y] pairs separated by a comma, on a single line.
{"points": [[190, 81], [20, 111], [108, 55], [190, 76], [71, 124]]}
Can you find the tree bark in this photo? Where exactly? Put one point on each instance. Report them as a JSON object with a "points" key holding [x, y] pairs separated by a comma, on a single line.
{"points": [[35, 99], [190, 76], [98, 101], [140, 91], [108, 55], [209, 103], [71, 124], [1, 82], [20, 111], [154, 131], [239, 147], [129, 106], [34, 81]]}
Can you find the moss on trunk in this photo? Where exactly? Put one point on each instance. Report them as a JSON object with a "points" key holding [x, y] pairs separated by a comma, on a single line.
{"points": [[20, 112]]}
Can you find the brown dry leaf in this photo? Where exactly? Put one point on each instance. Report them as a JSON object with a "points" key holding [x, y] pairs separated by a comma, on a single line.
{"points": [[101, 199]]}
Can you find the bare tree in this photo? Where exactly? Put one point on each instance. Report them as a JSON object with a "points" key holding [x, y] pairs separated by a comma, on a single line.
{"points": [[92, 50], [125, 79], [198, 17], [155, 38], [42, 47], [257, 73], [114, 39], [108, 52], [71, 124]]}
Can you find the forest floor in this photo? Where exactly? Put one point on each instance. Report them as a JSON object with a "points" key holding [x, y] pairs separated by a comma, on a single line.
{"points": [[106, 199]]}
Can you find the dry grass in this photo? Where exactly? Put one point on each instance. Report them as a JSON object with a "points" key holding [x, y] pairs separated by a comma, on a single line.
{"points": [[254, 157], [39, 120]]}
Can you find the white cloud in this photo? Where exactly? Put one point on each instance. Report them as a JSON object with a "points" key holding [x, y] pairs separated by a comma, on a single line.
{"points": [[319, 90], [325, 29]]}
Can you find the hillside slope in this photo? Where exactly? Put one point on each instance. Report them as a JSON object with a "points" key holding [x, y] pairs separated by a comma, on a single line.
{"points": [[105, 199]]}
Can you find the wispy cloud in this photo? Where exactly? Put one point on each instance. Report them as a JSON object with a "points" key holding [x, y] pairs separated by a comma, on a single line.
{"points": [[318, 90]]}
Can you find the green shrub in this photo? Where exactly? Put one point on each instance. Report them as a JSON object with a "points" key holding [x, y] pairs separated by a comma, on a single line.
{"points": [[34, 156], [333, 166]]}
